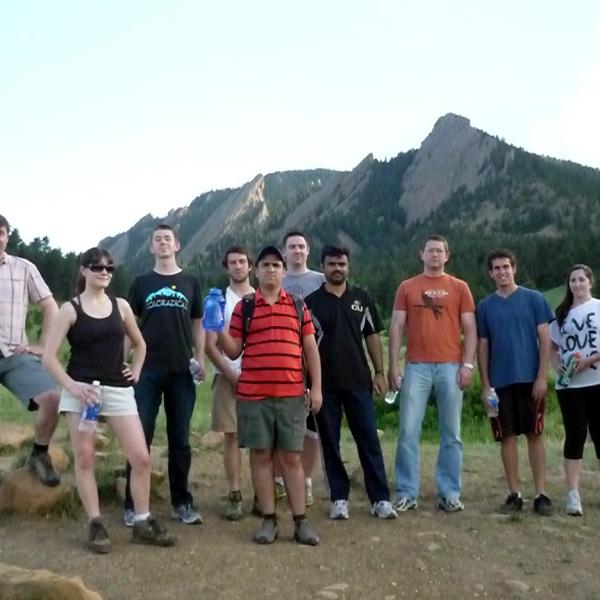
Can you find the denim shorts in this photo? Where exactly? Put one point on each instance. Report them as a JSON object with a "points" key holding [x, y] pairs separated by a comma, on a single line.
{"points": [[272, 423]]}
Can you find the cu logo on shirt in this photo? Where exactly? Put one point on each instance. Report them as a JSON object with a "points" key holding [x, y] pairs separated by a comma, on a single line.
{"points": [[357, 306]]}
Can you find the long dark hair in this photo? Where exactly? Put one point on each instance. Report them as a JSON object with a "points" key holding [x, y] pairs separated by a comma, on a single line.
{"points": [[93, 256], [562, 310]]}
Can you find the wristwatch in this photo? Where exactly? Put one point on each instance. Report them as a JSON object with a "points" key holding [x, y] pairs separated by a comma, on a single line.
{"points": [[468, 365]]}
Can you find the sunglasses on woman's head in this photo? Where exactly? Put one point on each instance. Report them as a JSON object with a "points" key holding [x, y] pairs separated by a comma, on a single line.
{"points": [[99, 268]]}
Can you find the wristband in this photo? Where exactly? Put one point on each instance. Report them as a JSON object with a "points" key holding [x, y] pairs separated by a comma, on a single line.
{"points": [[469, 365]]}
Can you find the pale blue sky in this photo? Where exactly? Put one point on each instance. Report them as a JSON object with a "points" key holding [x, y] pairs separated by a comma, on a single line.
{"points": [[113, 109]]}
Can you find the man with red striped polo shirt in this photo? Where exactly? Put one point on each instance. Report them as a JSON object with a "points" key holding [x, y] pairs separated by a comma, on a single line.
{"points": [[271, 406]]}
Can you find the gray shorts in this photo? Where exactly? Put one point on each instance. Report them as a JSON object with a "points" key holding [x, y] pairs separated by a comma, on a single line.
{"points": [[25, 377], [272, 423]]}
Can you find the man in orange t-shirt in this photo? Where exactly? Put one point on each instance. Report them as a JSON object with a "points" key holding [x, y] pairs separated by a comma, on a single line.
{"points": [[434, 307]]}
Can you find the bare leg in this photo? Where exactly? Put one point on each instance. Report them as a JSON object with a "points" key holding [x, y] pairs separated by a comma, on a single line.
{"points": [[47, 416], [232, 461], [130, 434], [261, 464], [310, 455], [510, 460], [85, 458], [572, 471], [537, 459], [293, 475]]}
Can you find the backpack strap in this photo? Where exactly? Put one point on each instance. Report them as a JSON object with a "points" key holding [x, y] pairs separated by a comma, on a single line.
{"points": [[299, 306]]}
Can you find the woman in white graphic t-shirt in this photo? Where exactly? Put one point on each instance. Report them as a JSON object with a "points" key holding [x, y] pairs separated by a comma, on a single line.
{"points": [[576, 333]]}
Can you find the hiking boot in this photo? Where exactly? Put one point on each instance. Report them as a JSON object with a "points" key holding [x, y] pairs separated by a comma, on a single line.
{"points": [[404, 504], [256, 511], [338, 510], [41, 466], [305, 534], [573, 504], [233, 510], [512, 504], [450, 505], [128, 517], [280, 492], [150, 531], [267, 532], [383, 510], [98, 540], [187, 513], [542, 505], [309, 498]]}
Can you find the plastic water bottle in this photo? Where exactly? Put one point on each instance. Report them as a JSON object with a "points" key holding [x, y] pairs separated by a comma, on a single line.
{"points": [[493, 402], [567, 375], [196, 371], [214, 311], [391, 395], [91, 412]]}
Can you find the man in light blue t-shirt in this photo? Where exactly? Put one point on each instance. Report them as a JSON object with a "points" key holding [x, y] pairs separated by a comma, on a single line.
{"points": [[514, 354]]}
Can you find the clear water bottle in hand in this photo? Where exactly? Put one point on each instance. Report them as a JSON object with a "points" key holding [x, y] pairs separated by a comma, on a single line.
{"points": [[493, 402], [391, 395], [214, 311], [196, 371], [91, 412]]}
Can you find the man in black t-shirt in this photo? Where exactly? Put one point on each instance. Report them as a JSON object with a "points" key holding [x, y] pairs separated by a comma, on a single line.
{"points": [[168, 304], [344, 316]]}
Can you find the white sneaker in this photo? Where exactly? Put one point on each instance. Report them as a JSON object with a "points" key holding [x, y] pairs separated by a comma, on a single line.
{"points": [[573, 504], [404, 503], [383, 510], [338, 510]]}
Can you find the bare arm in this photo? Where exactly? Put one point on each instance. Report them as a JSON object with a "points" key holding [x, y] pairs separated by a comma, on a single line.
{"points": [[540, 385], [134, 340], [216, 357], [469, 328], [376, 353], [199, 343], [61, 324], [483, 358], [395, 342], [313, 365], [230, 345]]}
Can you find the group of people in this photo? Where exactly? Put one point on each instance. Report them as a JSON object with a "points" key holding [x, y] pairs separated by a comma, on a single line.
{"points": [[292, 360]]}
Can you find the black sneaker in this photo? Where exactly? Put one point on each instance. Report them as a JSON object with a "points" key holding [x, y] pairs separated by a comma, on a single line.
{"points": [[98, 540], [513, 504], [542, 505], [150, 531], [41, 466]]}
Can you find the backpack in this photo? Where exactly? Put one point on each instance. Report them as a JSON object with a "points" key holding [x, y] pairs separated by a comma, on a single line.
{"points": [[248, 311]]}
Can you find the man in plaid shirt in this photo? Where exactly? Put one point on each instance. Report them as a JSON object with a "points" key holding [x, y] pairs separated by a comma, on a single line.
{"points": [[21, 371]]}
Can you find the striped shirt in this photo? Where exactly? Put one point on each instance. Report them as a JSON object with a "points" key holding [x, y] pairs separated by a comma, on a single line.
{"points": [[20, 282], [272, 359]]}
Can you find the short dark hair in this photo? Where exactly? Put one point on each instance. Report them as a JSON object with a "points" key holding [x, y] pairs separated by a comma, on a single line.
{"points": [[164, 227], [501, 253], [236, 250], [336, 251], [292, 233], [4, 223], [436, 238]]}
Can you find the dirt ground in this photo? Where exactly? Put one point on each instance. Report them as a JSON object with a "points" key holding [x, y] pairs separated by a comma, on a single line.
{"points": [[422, 554]]}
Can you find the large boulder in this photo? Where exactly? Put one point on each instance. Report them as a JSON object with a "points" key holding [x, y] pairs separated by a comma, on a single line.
{"points": [[212, 439], [22, 492], [21, 584], [13, 437], [60, 458]]}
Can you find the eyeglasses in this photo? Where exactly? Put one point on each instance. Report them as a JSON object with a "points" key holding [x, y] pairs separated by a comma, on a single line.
{"points": [[99, 268]]}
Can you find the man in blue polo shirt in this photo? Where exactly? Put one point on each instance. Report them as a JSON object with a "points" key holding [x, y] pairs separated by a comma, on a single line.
{"points": [[343, 316], [514, 354]]}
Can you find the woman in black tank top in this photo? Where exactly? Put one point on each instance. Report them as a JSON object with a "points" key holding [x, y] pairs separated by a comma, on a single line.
{"points": [[95, 325]]}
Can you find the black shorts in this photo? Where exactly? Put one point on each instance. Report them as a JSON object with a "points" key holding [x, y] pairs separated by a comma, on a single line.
{"points": [[518, 412]]}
